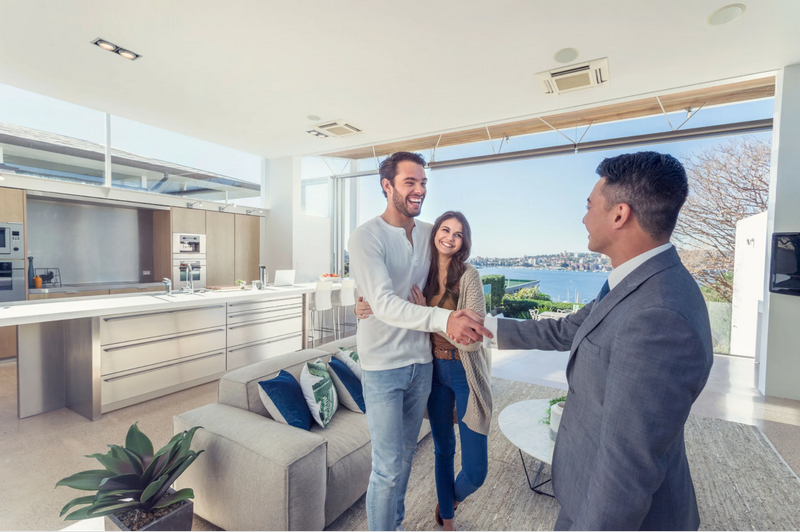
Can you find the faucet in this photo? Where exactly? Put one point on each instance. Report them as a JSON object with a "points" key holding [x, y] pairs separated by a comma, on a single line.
{"points": [[189, 286], [168, 286]]}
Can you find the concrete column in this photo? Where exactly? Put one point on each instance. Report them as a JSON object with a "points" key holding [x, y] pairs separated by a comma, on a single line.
{"points": [[281, 182], [779, 368]]}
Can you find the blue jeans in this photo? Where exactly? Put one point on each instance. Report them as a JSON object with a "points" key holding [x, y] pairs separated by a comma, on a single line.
{"points": [[395, 400], [450, 391]]}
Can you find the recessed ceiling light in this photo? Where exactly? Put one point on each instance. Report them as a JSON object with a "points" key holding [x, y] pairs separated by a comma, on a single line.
{"points": [[127, 54], [105, 45], [566, 55], [315, 118], [726, 14]]}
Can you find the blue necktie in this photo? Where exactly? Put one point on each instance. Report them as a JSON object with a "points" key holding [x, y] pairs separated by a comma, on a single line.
{"points": [[603, 292]]}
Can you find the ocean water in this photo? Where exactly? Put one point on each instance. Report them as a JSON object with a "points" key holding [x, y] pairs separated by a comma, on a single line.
{"points": [[559, 285]]}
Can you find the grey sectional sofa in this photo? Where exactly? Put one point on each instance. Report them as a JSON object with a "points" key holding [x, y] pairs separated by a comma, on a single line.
{"points": [[259, 474]]}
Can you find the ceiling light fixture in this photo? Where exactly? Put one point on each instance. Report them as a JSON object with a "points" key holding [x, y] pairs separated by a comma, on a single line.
{"points": [[313, 118], [193, 203], [316, 133], [726, 14], [111, 47], [566, 55]]}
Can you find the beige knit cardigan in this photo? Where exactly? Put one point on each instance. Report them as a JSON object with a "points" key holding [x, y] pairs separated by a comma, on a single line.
{"points": [[477, 365]]}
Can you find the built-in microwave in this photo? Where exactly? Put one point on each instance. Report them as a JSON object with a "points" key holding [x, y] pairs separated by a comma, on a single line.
{"points": [[11, 241]]}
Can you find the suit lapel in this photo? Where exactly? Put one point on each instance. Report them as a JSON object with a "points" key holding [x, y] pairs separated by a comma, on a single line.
{"points": [[629, 284]]}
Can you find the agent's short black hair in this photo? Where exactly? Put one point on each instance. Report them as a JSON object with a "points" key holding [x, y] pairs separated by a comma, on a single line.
{"points": [[388, 168], [653, 184]]}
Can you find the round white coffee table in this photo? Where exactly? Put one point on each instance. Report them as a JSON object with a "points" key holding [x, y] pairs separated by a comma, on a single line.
{"points": [[521, 424]]}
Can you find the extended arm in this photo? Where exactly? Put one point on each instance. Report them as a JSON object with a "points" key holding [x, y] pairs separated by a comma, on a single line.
{"points": [[656, 371], [375, 285], [547, 335]]}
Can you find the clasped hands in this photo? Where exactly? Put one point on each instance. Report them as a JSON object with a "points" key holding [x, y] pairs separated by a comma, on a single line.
{"points": [[463, 326]]}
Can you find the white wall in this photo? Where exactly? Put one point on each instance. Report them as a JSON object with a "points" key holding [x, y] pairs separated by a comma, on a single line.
{"points": [[779, 371], [312, 247], [278, 236], [748, 283]]}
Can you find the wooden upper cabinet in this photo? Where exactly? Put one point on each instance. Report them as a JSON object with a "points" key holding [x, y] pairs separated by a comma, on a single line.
{"points": [[189, 221], [12, 205], [248, 230], [220, 246]]}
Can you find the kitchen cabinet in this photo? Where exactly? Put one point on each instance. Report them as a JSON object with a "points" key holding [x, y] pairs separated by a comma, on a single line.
{"points": [[258, 330], [8, 342], [12, 205], [162, 245], [137, 290], [59, 295], [247, 247], [220, 248], [189, 221]]}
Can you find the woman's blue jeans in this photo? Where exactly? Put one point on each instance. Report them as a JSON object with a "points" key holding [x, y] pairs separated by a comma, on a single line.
{"points": [[450, 391]]}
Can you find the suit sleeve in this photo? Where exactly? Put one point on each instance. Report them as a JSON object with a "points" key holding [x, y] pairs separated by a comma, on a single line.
{"points": [[547, 335], [655, 372], [375, 285]]}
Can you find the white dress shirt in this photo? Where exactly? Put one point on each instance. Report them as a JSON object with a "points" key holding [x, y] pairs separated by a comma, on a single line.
{"points": [[385, 265], [614, 278]]}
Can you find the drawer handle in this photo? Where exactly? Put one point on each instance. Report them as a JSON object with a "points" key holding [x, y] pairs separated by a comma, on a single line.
{"points": [[270, 341], [261, 322], [72, 292], [169, 338], [251, 303], [264, 310], [112, 379], [134, 316]]}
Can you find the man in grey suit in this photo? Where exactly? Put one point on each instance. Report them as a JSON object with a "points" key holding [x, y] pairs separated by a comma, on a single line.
{"points": [[640, 354]]}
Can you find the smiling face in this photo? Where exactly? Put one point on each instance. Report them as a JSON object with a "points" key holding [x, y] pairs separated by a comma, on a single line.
{"points": [[599, 220], [449, 237], [407, 192]]}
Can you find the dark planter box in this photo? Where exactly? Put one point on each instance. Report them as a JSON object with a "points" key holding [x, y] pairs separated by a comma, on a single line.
{"points": [[180, 519]]}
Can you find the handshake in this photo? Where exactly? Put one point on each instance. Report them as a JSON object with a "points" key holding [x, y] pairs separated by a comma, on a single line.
{"points": [[466, 327]]}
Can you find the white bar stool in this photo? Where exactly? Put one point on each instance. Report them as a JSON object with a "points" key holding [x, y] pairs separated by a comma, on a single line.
{"points": [[347, 298], [321, 302]]}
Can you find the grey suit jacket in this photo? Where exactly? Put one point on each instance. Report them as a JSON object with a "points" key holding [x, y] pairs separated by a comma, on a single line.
{"points": [[638, 360]]}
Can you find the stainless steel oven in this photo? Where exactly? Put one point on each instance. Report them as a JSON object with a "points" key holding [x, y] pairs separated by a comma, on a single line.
{"points": [[11, 241], [12, 280], [181, 276]]}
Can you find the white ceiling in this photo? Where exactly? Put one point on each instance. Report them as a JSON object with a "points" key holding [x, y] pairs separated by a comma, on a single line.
{"points": [[246, 74]]}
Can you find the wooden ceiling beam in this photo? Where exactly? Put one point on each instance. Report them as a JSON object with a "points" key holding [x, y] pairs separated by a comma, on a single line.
{"points": [[719, 95]]}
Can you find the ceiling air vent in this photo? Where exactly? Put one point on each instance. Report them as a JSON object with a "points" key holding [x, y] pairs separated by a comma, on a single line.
{"points": [[574, 77], [338, 128]]}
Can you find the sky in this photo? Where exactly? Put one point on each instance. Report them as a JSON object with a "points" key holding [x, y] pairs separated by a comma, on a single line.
{"points": [[535, 206]]}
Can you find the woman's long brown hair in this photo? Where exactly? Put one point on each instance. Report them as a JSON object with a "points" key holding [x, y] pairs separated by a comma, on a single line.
{"points": [[458, 264]]}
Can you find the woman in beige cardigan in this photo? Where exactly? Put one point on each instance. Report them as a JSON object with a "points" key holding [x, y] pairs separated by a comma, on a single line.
{"points": [[460, 391]]}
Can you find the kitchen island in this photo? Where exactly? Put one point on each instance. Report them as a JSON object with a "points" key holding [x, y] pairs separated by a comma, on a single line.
{"points": [[98, 354]]}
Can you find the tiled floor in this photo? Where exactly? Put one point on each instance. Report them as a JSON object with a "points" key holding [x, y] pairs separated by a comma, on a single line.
{"points": [[36, 452]]}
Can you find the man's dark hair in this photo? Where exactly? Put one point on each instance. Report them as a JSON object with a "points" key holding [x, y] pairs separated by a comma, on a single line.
{"points": [[653, 184], [388, 168]]}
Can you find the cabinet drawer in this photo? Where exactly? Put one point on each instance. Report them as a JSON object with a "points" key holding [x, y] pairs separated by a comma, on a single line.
{"points": [[253, 331], [131, 355], [265, 305], [242, 316], [137, 290], [128, 327], [248, 354], [120, 387]]}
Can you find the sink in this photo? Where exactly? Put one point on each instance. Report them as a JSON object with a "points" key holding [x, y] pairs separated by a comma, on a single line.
{"points": [[178, 296]]}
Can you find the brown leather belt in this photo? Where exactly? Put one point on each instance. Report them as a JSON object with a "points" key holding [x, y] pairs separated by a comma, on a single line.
{"points": [[446, 354]]}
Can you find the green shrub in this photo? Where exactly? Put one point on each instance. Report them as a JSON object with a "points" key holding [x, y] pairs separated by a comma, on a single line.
{"points": [[498, 283], [529, 293], [520, 308]]}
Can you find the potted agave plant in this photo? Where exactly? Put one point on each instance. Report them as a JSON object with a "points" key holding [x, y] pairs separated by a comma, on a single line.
{"points": [[133, 489]]}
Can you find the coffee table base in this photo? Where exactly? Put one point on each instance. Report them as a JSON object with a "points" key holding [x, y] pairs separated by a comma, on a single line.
{"points": [[533, 485]]}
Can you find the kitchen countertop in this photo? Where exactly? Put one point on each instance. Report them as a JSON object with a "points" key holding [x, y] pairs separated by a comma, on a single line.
{"points": [[27, 312], [85, 287]]}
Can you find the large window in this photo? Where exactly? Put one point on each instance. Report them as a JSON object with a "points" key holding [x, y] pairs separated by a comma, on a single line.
{"points": [[47, 138]]}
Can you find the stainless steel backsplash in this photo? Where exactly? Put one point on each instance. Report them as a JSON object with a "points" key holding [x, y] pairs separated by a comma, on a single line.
{"points": [[90, 243]]}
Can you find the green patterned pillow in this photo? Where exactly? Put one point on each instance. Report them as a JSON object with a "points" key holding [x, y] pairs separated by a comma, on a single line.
{"points": [[319, 392], [350, 358]]}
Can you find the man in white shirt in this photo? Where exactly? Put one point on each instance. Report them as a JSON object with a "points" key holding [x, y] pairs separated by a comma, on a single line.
{"points": [[388, 255], [640, 354]]}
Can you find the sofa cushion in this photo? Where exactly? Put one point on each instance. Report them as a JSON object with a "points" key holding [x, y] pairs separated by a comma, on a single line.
{"points": [[350, 358], [240, 387], [319, 391], [284, 401], [348, 387], [332, 347]]}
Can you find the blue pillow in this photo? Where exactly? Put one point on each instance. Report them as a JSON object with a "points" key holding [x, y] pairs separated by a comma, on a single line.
{"points": [[283, 398], [348, 387]]}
